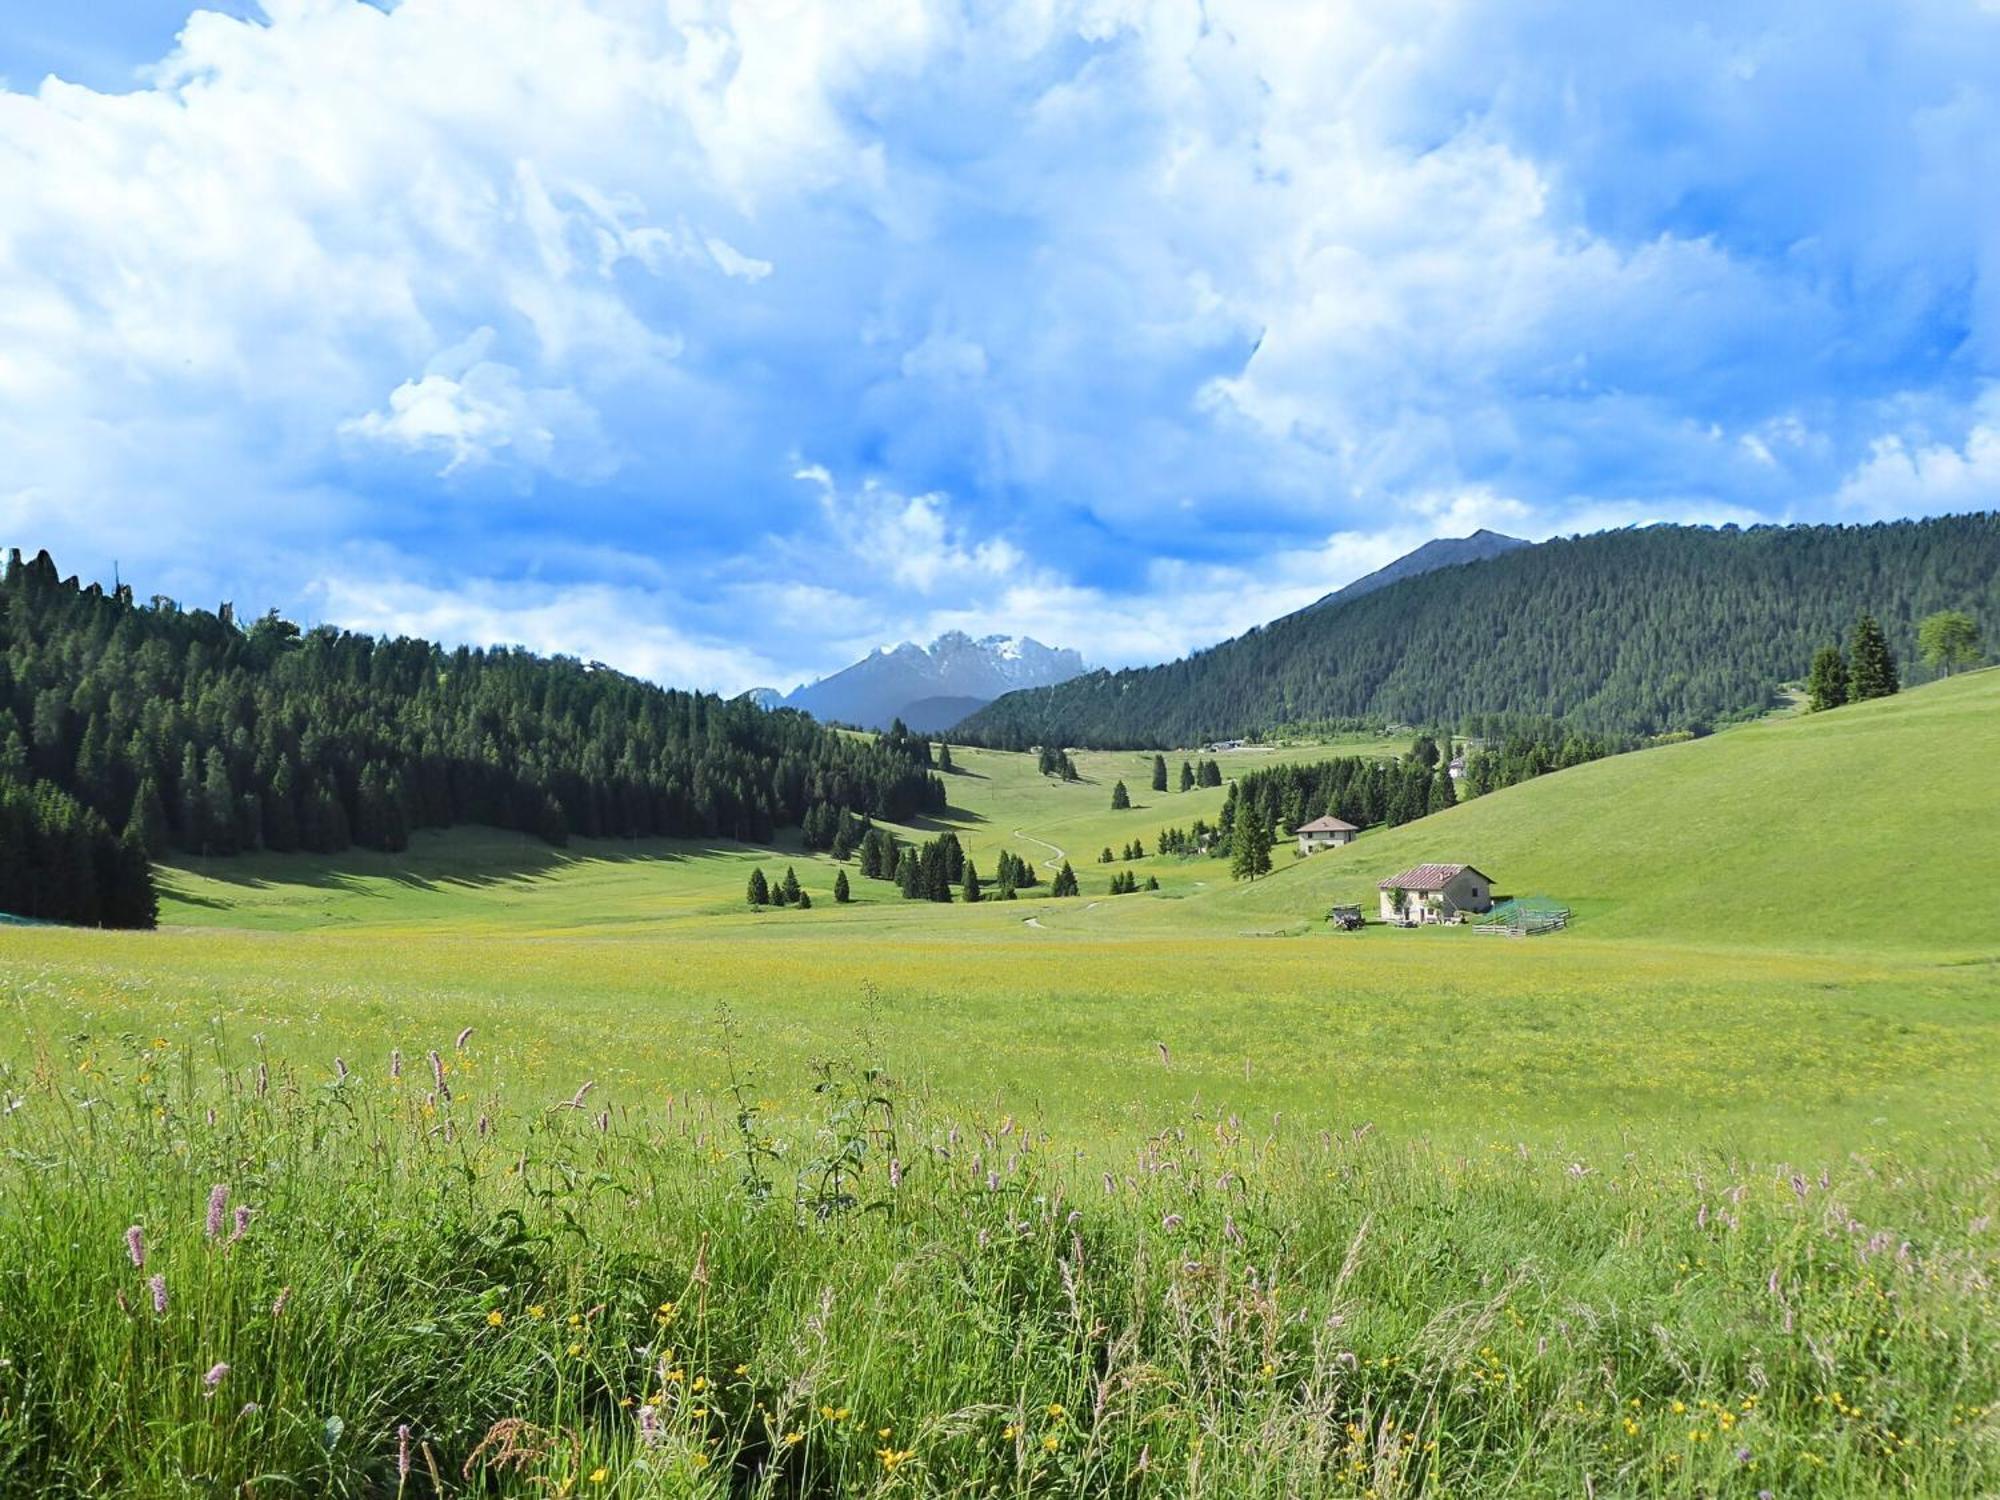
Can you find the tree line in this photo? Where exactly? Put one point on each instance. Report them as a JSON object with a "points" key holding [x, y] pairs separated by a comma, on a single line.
{"points": [[192, 733], [1637, 632]]}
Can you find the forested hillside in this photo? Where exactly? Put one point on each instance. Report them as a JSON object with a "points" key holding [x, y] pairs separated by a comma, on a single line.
{"points": [[198, 735], [1627, 632]]}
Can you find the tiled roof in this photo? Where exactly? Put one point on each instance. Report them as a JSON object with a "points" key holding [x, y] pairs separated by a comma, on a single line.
{"points": [[1326, 825], [1424, 878]]}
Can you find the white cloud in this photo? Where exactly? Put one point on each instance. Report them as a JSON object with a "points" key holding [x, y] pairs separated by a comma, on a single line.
{"points": [[1909, 476]]}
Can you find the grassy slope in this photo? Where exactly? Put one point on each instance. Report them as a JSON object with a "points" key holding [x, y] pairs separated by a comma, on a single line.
{"points": [[1874, 827]]}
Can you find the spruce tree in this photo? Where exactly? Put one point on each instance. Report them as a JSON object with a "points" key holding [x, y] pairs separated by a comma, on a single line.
{"points": [[1250, 847], [1120, 798], [1187, 777], [1872, 673], [147, 821], [1159, 773], [909, 874], [970, 890], [944, 758], [841, 894], [1443, 793], [760, 889], [805, 900], [1826, 683], [1152, 882], [1104, 858], [791, 886]]}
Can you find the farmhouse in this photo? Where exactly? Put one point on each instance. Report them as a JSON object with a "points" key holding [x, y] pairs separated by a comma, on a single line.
{"points": [[1434, 893], [1324, 833]]}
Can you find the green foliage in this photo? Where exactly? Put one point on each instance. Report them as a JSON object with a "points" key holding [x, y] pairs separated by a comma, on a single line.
{"points": [[1949, 641], [1629, 632], [1826, 683], [1159, 773], [1250, 843], [841, 892], [228, 741], [1872, 670], [969, 888], [1065, 882], [60, 862], [1120, 798], [760, 889], [1187, 777]]}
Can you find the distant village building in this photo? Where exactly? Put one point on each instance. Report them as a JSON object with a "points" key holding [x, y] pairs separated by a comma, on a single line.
{"points": [[1324, 833], [1457, 768], [1434, 893]]}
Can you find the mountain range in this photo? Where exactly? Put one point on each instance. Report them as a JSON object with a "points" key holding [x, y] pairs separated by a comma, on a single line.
{"points": [[931, 688], [1633, 632]]}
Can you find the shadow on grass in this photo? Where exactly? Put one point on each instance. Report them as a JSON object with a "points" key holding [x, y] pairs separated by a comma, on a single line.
{"points": [[462, 859]]}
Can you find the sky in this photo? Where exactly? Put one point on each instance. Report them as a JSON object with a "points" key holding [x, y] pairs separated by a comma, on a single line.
{"points": [[726, 340]]}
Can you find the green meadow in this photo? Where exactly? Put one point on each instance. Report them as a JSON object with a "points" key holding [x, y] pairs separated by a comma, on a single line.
{"points": [[1173, 1193]]}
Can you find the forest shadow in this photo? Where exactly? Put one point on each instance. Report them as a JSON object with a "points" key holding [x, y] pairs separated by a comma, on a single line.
{"points": [[432, 864]]}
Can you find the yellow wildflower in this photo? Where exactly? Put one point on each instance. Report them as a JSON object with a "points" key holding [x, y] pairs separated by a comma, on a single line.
{"points": [[496, 1317], [599, 1474], [537, 1312]]}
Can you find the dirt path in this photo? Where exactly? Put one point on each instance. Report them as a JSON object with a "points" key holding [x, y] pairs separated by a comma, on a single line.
{"points": [[1056, 856], [1031, 922]]}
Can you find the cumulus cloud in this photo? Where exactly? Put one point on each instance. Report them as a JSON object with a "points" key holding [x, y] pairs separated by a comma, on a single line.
{"points": [[1126, 324]]}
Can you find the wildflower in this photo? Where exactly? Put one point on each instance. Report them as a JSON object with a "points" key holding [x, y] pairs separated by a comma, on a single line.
{"points": [[793, 1439], [218, 1205], [135, 1246], [1051, 1443], [599, 1474], [576, 1351], [1171, 1222], [893, 1457], [1009, 1433], [463, 1037], [649, 1425], [537, 1311], [242, 1223], [249, 1409], [1055, 1408], [700, 1460], [403, 1451], [741, 1370], [396, 1063], [215, 1374], [895, 1173], [278, 1306], [496, 1318], [159, 1286], [882, 1432]]}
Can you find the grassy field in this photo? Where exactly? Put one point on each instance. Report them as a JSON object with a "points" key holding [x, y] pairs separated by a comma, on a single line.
{"points": [[1189, 1195]]}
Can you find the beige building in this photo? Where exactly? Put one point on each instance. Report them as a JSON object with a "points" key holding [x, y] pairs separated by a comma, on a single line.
{"points": [[1324, 833], [1434, 893]]}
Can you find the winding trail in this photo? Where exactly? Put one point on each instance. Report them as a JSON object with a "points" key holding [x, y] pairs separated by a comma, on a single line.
{"points": [[1057, 856]]}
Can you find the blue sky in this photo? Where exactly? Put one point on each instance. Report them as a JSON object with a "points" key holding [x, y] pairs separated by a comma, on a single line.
{"points": [[726, 339]]}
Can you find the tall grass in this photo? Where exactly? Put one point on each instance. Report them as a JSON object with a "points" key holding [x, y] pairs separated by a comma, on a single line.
{"points": [[462, 1290]]}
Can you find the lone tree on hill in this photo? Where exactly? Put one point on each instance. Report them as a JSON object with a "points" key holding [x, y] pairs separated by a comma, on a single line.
{"points": [[760, 889], [1250, 849], [1159, 773], [841, 894], [1874, 669], [1120, 798], [944, 757], [1826, 683], [1949, 640], [1065, 882]]}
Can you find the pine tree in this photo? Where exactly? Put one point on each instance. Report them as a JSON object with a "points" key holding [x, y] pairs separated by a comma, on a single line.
{"points": [[805, 901], [970, 890], [760, 889], [1187, 777], [944, 758], [1152, 882], [790, 886], [1873, 669], [1250, 848], [1826, 684], [1159, 773], [1065, 882], [909, 874], [147, 821], [1120, 798], [1443, 793], [841, 894], [1211, 773]]}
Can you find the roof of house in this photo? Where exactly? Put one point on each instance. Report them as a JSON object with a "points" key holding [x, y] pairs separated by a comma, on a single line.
{"points": [[1427, 878], [1326, 825]]}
